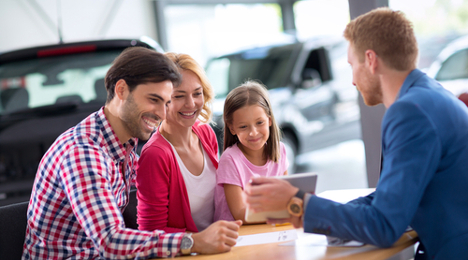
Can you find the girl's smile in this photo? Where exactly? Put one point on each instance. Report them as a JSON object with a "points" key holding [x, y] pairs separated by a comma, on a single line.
{"points": [[252, 127]]}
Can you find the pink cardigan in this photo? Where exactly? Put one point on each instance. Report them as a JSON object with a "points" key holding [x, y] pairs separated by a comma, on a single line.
{"points": [[163, 202]]}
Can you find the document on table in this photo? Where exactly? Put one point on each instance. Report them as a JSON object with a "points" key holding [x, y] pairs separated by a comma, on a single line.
{"points": [[265, 238], [308, 239]]}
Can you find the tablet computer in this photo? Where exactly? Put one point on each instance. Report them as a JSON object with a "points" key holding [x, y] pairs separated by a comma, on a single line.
{"points": [[304, 181]]}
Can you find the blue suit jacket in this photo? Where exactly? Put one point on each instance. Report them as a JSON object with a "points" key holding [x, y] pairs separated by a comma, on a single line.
{"points": [[424, 178]]}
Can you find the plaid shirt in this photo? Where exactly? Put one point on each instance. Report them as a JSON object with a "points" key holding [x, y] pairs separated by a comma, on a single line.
{"points": [[79, 195]]}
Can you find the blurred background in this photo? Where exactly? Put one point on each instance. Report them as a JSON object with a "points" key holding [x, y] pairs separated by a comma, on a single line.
{"points": [[210, 32]]}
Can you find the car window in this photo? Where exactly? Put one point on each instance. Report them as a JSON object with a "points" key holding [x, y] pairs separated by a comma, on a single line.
{"points": [[272, 66], [47, 81], [455, 67], [218, 73], [273, 70]]}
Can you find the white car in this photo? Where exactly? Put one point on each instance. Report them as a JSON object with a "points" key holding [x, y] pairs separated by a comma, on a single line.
{"points": [[451, 66]]}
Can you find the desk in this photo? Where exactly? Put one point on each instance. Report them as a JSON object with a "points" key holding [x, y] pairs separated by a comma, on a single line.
{"points": [[273, 251]]}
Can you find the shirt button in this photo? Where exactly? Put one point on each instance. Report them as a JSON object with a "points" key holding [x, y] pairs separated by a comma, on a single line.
{"points": [[168, 253]]}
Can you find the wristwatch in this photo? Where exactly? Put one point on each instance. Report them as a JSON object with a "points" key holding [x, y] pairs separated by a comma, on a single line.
{"points": [[186, 244], [295, 204], [295, 207]]}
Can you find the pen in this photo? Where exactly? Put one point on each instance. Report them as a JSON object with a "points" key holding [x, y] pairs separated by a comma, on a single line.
{"points": [[282, 224]]}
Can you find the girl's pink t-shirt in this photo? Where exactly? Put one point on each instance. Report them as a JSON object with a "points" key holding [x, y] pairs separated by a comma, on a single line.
{"points": [[234, 168]]}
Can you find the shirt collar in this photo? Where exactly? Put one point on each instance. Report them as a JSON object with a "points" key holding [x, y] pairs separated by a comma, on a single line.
{"points": [[115, 149]]}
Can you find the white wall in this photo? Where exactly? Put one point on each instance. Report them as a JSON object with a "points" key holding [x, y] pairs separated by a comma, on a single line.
{"points": [[25, 23]]}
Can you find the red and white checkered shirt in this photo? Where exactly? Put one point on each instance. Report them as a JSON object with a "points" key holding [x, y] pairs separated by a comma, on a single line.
{"points": [[78, 196]]}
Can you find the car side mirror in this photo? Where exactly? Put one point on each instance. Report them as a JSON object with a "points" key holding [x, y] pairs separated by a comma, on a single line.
{"points": [[311, 78]]}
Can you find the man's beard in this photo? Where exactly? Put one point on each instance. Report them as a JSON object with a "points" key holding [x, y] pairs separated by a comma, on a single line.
{"points": [[132, 120], [372, 95]]}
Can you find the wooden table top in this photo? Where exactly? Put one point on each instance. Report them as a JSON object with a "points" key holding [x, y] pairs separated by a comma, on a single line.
{"points": [[273, 251]]}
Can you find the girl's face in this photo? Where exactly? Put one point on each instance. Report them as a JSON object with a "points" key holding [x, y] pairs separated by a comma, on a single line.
{"points": [[187, 101], [252, 126]]}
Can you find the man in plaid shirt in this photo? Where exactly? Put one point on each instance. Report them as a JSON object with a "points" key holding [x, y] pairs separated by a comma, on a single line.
{"points": [[83, 181]]}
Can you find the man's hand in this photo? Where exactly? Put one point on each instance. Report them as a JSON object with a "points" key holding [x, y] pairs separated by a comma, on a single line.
{"points": [[219, 237], [269, 194]]}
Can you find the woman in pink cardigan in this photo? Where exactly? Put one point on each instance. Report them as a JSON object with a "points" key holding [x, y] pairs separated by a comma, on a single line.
{"points": [[177, 168]]}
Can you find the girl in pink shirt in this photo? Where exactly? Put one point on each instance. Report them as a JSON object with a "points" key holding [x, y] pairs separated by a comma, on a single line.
{"points": [[252, 147]]}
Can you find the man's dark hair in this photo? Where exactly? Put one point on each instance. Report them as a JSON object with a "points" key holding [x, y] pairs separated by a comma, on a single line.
{"points": [[140, 65]]}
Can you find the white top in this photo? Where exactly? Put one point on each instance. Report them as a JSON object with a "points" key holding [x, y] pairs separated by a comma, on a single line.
{"points": [[200, 191]]}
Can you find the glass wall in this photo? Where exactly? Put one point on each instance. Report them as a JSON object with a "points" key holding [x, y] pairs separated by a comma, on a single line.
{"points": [[436, 23], [441, 27], [320, 120], [321, 17], [335, 150], [205, 31], [340, 165]]}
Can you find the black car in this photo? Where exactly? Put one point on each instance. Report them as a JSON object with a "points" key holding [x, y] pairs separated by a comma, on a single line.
{"points": [[44, 91], [309, 83]]}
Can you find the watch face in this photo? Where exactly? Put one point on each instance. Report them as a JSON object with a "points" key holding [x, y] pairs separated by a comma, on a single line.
{"points": [[186, 243], [295, 208]]}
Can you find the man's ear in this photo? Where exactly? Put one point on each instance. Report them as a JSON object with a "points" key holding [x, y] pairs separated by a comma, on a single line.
{"points": [[371, 60], [121, 89]]}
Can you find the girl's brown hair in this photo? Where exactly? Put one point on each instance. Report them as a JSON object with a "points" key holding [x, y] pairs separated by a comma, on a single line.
{"points": [[247, 94]]}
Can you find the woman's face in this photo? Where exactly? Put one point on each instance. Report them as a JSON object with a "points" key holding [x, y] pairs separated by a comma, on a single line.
{"points": [[187, 101]]}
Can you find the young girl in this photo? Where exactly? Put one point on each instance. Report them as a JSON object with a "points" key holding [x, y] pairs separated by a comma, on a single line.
{"points": [[252, 147]]}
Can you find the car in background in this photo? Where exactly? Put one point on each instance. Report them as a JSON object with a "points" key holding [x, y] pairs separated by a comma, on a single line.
{"points": [[310, 89], [44, 91], [450, 67]]}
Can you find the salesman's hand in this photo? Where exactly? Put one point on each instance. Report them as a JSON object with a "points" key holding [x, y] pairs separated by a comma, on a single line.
{"points": [[269, 194], [219, 237]]}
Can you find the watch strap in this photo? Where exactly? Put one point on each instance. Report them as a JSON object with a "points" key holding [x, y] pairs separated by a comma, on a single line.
{"points": [[300, 194]]}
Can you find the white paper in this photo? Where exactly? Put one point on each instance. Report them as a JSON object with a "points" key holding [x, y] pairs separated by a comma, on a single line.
{"points": [[265, 238], [308, 239]]}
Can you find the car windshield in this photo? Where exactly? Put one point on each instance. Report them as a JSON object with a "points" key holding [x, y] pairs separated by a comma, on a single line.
{"points": [[455, 67], [47, 81], [269, 65]]}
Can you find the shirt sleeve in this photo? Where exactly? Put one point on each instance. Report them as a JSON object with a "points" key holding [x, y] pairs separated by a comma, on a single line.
{"points": [[153, 182], [228, 171], [86, 177], [412, 151], [135, 160]]}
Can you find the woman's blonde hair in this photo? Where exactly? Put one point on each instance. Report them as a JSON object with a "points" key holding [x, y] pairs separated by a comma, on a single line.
{"points": [[247, 94], [186, 62]]}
